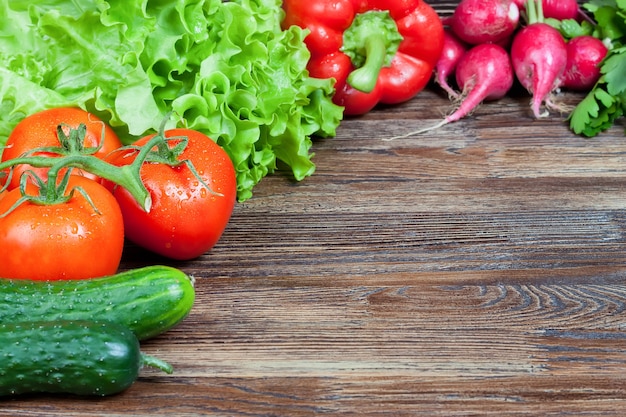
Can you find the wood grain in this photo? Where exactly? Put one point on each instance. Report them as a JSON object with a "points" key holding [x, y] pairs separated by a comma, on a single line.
{"points": [[474, 271]]}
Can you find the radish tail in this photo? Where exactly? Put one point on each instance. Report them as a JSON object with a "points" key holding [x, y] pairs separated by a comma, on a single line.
{"points": [[468, 103], [443, 83], [420, 131]]}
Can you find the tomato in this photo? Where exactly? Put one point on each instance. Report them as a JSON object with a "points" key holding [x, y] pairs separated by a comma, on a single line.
{"points": [[61, 241], [185, 220], [40, 129]]}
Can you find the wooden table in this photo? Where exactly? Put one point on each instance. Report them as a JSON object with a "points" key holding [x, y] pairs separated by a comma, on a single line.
{"points": [[474, 271]]}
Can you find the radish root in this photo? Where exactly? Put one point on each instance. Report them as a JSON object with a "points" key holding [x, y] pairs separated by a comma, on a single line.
{"points": [[419, 132]]}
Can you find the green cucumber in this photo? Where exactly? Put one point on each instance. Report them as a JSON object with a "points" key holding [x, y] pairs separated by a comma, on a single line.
{"points": [[70, 357], [148, 300]]}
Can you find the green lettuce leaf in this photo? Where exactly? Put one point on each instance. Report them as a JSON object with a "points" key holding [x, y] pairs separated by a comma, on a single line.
{"points": [[226, 69]]}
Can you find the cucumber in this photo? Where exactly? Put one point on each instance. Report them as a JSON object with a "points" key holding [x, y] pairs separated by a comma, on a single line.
{"points": [[70, 357], [148, 300]]}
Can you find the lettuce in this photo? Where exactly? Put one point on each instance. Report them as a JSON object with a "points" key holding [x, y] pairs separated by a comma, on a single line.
{"points": [[226, 69]]}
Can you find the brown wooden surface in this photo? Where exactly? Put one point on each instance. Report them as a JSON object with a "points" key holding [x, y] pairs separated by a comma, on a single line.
{"points": [[475, 271]]}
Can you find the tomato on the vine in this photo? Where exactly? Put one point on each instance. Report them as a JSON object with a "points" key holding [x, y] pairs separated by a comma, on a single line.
{"points": [[186, 218], [77, 239], [40, 130]]}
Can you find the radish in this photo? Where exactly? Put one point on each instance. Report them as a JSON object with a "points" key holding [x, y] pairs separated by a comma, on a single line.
{"points": [[560, 9], [453, 50], [584, 54], [483, 73], [556, 9], [481, 21], [539, 56]]}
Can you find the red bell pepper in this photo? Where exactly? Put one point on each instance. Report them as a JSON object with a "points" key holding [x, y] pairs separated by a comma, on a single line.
{"points": [[378, 51]]}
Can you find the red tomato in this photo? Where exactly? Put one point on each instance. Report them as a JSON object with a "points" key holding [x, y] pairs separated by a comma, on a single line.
{"points": [[61, 241], [186, 220], [40, 129]]}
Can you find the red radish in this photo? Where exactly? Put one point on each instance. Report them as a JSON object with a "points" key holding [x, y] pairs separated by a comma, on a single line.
{"points": [[484, 73], [560, 9], [481, 21], [453, 50], [584, 54], [556, 9], [539, 56]]}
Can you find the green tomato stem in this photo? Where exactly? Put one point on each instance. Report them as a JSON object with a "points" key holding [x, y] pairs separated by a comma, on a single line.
{"points": [[126, 176]]}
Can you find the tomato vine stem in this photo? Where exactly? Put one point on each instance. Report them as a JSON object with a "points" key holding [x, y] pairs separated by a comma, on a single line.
{"points": [[73, 154], [127, 176]]}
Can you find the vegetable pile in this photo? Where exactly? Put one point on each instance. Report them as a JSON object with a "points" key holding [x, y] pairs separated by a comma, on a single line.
{"points": [[143, 121], [71, 195], [146, 121], [545, 46], [226, 69]]}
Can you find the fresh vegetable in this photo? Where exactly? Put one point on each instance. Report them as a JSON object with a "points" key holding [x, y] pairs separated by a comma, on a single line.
{"points": [[561, 9], [377, 51], [72, 154], [148, 300], [584, 55], [51, 128], [605, 103], [226, 69], [190, 208], [71, 357], [176, 190], [557, 9], [483, 73], [453, 50], [539, 57], [72, 229], [482, 21]]}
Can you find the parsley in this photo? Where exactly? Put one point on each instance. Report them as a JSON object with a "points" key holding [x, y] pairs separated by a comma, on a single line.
{"points": [[606, 102]]}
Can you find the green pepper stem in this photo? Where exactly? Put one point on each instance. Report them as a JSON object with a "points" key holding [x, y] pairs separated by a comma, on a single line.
{"points": [[371, 42], [364, 78]]}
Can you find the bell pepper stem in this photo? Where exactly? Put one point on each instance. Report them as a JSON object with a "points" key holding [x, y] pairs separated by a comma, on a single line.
{"points": [[364, 78]]}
